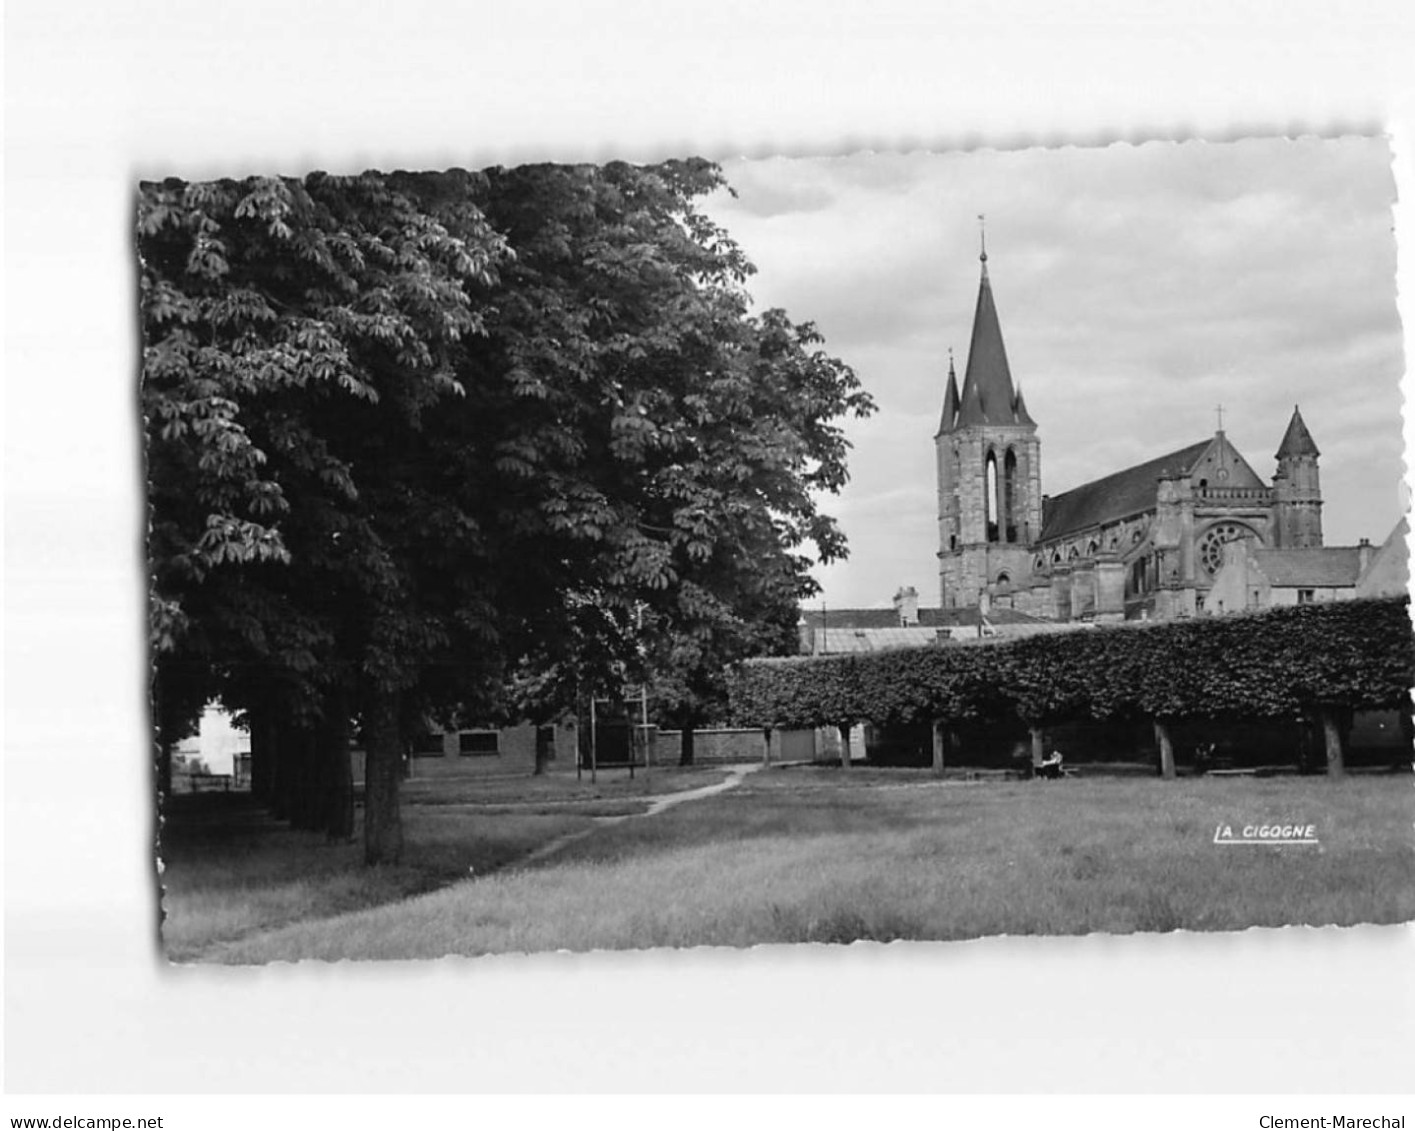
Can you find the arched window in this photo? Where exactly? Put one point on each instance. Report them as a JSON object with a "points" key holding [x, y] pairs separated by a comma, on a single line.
{"points": [[1009, 495], [1139, 582], [990, 486], [1004, 582], [1093, 548], [1215, 538]]}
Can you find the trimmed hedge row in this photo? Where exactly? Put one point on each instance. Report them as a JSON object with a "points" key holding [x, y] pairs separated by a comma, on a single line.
{"points": [[1277, 663]]}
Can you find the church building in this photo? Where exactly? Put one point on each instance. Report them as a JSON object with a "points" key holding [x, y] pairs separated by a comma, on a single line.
{"points": [[1142, 543]]}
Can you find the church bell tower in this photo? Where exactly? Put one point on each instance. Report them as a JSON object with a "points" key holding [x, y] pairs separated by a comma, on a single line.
{"points": [[1298, 489], [989, 470]]}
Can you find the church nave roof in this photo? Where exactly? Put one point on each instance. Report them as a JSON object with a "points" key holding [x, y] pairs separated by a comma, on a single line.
{"points": [[1116, 495]]}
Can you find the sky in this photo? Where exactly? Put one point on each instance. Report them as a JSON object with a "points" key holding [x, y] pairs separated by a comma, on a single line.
{"points": [[1138, 287]]}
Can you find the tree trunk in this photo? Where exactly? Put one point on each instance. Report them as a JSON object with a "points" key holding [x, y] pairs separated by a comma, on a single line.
{"points": [[338, 772], [845, 747], [1336, 755], [685, 743], [303, 781], [383, 770], [281, 768], [1166, 749], [940, 736], [1407, 734], [545, 748], [1039, 745], [262, 751]]}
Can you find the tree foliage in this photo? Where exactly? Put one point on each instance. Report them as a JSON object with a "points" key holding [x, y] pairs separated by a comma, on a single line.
{"points": [[669, 446], [416, 439], [297, 332]]}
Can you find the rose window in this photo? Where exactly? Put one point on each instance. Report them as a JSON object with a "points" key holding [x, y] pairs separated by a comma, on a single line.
{"points": [[1211, 548]]}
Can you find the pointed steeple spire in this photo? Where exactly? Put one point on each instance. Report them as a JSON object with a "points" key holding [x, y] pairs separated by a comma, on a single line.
{"points": [[988, 394], [950, 399], [1297, 441], [1019, 409]]}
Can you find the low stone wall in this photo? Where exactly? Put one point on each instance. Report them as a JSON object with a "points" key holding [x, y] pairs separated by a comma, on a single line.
{"points": [[728, 745], [718, 745]]}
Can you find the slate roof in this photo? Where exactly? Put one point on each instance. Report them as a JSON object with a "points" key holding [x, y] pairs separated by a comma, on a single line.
{"points": [[950, 402], [1326, 566], [999, 615], [839, 640], [1297, 441], [1019, 409], [1388, 572], [847, 635], [851, 619], [988, 395], [1115, 496]]}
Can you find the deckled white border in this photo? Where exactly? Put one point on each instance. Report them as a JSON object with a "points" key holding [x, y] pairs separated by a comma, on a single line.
{"points": [[100, 93]]}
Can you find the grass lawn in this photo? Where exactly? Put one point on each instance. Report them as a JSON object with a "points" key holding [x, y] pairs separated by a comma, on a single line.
{"points": [[229, 871], [613, 794], [818, 855]]}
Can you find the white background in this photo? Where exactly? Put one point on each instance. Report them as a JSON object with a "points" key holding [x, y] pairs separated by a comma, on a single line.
{"points": [[98, 95]]}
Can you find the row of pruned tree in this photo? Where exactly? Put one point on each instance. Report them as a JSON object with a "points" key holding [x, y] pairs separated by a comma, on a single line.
{"points": [[1314, 661], [428, 446]]}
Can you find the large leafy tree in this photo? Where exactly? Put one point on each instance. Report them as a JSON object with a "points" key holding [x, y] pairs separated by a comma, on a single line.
{"points": [[291, 325], [671, 446], [413, 435]]}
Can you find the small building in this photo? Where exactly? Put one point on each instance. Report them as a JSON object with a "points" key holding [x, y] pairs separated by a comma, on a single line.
{"points": [[1256, 577], [484, 751], [905, 625], [1388, 573]]}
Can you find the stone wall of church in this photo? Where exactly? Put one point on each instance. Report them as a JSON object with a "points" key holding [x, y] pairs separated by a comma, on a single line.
{"points": [[969, 562], [994, 568]]}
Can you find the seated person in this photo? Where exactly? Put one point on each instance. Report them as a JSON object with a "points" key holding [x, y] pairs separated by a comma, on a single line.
{"points": [[1050, 766]]}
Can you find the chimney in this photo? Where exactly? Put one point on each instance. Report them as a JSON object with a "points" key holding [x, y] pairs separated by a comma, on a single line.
{"points": [[906, 606], [1363, 555]]}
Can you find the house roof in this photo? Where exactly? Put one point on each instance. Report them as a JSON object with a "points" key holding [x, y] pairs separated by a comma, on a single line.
{"points": [[1117, 495], [998, 615], [871, 619], [1297, 441], [1321, 567], [1388, 572], [839, 639], [857, 630]]}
